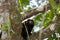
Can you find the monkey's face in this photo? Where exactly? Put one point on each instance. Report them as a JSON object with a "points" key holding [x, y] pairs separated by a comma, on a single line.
{"points": [[29, 22]]}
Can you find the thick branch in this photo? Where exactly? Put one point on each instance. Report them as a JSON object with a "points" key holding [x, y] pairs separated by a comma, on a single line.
{"points": [[40, 9]]}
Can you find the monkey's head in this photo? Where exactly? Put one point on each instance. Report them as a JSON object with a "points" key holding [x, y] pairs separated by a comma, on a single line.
{"points": [[29, 23]]}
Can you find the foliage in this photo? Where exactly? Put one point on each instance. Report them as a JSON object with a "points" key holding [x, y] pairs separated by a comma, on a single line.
{"points": [[4, 27], [22, 3]]}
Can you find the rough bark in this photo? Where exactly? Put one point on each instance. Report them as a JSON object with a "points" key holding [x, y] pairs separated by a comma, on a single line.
{"points": [[15, 20], [4, 13], [9, 8]]}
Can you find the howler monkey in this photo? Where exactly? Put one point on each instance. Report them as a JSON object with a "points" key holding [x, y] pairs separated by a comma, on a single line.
{"points": [[29, 24]]}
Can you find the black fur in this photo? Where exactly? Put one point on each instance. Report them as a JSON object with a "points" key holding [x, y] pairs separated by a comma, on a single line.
{"points": [[0, 34], [29, 25]]}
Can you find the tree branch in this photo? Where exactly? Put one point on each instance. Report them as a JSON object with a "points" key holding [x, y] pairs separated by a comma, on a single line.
{"points": [[40, 9]]}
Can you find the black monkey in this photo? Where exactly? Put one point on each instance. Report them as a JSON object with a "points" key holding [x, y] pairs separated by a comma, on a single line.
{"points": [[0, 34], [29, 24], [0, 31]]}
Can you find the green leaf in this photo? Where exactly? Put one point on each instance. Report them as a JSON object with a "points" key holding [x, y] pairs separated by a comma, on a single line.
{"points": [[54, 35], [50, 38], [4, 27], [38, 17], [53, 4], [22, 3], [48, 18], [58, 29], [58, 8]]}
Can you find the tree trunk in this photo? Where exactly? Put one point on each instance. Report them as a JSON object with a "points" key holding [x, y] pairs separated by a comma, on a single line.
{"points": [[15, 20], [10, 8]]}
